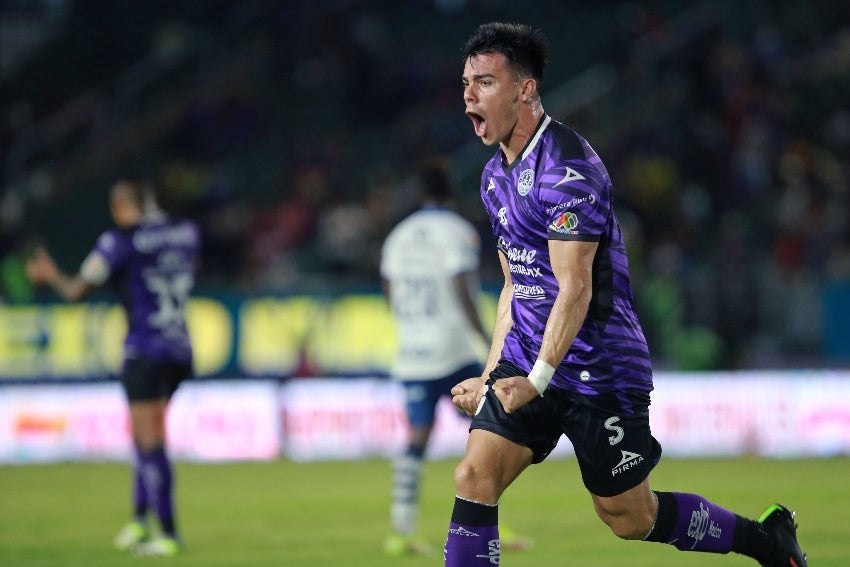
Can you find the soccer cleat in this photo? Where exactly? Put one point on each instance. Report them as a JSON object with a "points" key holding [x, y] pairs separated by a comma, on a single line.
{"points": [[509, 540], [131, 535], [161, 547], [779, 521], [398, 544]]}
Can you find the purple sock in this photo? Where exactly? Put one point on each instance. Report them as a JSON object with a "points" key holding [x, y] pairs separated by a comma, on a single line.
{"points": [[700, 525], [157, 478], [473, 538], [140, 494]]}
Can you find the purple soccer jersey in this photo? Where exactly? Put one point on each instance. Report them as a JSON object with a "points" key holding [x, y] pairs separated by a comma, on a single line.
{"points": [[558, 188], [152, 268]]}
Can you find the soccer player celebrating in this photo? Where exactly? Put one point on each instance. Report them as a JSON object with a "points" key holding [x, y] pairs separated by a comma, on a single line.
{"points": [[429, 272], [150, 261], [568, 355]]}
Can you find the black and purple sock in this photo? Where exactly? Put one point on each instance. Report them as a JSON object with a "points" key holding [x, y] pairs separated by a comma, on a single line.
{"points": [[473, 538], [691, 523]]}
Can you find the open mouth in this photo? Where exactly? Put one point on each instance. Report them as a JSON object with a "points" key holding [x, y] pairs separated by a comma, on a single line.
{"points": [[478, 122]]}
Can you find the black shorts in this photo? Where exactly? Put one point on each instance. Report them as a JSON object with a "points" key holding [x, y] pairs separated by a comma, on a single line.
{"points": [[610, 434], [145, 379]]}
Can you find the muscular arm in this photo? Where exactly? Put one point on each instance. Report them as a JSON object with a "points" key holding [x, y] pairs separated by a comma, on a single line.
{"points": [[503, 317], [70, 288], [41, 269], [572, 264], [467, 394]]}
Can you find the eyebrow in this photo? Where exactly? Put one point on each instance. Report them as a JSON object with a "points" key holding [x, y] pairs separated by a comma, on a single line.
{"points": [[478, 76]]}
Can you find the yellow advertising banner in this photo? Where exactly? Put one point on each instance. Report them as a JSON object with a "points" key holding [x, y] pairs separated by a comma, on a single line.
{"points": [[251, 336]]}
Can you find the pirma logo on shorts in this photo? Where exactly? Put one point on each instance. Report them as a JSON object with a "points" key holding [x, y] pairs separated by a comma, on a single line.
{"points": [[628, 461]]}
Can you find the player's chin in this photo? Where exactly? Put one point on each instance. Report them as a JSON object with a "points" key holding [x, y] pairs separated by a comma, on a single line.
{"points": [[488, 138]]}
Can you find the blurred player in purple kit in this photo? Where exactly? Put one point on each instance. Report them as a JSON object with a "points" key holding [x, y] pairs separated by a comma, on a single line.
{"points": [[149, 261], [568, 354]]}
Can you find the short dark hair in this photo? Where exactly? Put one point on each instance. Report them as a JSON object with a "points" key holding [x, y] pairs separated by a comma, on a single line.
{"points": [[525, 48], [435, 181]]}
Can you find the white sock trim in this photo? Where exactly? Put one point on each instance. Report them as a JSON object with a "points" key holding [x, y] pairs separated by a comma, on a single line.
{"points": [[476, 501]]}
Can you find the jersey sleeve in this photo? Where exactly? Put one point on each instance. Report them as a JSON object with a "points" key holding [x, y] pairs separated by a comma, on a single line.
{"points": [[107, 256], [577, 203]]}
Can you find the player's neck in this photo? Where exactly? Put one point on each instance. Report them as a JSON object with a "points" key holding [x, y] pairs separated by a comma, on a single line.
{"points": [[525, 127]]}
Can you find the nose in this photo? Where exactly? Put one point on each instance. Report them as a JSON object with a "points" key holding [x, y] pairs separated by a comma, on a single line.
{"points": [[468, 93]]}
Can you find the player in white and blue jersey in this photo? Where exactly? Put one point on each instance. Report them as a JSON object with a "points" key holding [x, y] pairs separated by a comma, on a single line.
{"points": [[568, 355], [429, 271], [149, 261]]}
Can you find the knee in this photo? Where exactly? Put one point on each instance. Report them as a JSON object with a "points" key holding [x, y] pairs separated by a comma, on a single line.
{"points": [[466, 476], [148, 439], [474, 483]]}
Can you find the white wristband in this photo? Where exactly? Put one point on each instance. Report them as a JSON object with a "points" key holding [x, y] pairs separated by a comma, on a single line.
{"points": [[540, 375]]}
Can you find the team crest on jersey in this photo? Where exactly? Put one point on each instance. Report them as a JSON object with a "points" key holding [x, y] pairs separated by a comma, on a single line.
{"points": [[526, 181], [565, 223]]}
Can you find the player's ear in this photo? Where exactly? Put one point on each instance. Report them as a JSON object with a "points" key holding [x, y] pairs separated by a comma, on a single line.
{"points": [[529, 89]]}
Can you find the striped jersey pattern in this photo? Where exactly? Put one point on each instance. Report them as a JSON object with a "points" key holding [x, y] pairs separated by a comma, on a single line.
{"points": [[558, 188]]}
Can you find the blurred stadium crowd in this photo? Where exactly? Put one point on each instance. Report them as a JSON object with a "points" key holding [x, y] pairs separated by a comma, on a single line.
{"points": [[291, 131]]}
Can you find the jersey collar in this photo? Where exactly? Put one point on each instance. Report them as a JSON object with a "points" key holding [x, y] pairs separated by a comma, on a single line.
{"points": [[531, 143]]}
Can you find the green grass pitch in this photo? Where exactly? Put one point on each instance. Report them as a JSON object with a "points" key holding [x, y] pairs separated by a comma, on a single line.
{"points": [[335, 513]]}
